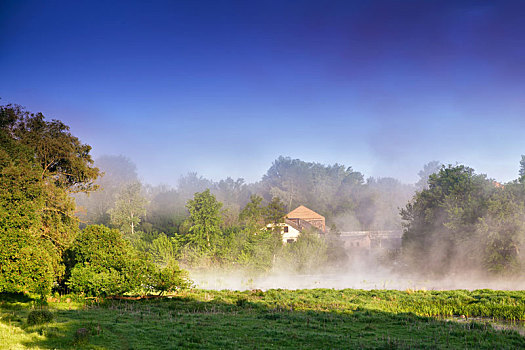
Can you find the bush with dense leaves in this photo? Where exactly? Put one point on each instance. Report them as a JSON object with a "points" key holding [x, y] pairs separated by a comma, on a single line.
{"points": [[105, 264], [168, 279]]}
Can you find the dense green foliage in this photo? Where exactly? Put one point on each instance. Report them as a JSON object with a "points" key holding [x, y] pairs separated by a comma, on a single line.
{"points": [[458, 219], [41, 163], [222, 224], [106, 264], [204, 219], [306, 319], [463, 221], [335, 191]]}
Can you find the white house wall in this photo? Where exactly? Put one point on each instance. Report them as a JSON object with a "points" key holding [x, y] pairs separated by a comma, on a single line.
{"points": [[292, 233]]}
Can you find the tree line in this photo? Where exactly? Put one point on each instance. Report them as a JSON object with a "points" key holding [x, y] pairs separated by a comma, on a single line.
{"points": [[72, 224], [337, 192]]}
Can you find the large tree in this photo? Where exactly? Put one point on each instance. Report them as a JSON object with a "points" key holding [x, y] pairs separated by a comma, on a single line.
{"points": [[205, 219], [25, 262], [502, 231], [440, 222], [41, 163], [63, 159]]}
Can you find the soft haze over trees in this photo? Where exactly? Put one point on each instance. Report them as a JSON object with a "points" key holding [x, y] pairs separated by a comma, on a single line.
{"points": [[522, 168], [464, 221], [135, 235], [129, 208], [337, 192], [428, 169], [116, 173]]}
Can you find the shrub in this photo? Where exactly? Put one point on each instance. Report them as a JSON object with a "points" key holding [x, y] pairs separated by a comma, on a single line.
{"points": [[96, 280], [168, 279], [105, 263], [39, 317]]}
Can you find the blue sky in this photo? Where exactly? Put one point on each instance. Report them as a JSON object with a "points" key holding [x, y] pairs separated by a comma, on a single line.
{"points": [[225, 87]]}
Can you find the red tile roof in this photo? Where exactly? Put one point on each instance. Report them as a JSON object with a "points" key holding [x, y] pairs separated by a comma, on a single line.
{"points": [[302, 212]]}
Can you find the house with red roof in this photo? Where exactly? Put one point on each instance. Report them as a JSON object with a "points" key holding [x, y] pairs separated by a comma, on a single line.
{"points": [[299, 220]]}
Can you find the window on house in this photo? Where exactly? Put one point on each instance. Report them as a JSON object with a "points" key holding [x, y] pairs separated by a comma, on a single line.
{"points": [[285, 229], [290, 240]]}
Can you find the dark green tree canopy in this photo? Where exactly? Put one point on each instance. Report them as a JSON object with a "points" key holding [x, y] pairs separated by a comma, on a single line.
{"points": [[62, 157]]}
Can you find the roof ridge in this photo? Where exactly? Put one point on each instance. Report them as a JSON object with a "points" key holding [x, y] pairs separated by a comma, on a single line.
{"points": [[304, 212]]}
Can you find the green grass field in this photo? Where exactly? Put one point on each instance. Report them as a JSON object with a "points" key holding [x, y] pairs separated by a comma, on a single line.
{"points": [[302, 319]]}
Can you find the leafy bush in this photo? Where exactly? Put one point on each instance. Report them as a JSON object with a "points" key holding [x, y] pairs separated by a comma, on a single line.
{"points": [[105, 263], [39, 317], [99, 245], [168, 279], [306, 255], [94, 281]]}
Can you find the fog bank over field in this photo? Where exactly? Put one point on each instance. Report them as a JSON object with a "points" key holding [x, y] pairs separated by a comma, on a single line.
{"points": [[237, 280]]}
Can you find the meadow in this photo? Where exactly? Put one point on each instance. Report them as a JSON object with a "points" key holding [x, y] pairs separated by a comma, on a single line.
{"points": [[255, 319]]}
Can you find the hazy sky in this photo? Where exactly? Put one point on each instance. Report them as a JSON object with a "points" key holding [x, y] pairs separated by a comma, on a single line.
{"points": [[225, 87]]}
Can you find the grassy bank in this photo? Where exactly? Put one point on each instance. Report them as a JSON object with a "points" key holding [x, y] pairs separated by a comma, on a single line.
{"points": [[319, 318]]}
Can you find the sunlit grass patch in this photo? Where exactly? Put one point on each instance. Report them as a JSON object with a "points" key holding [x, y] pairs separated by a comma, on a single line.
{"points": [[321, 318]]}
